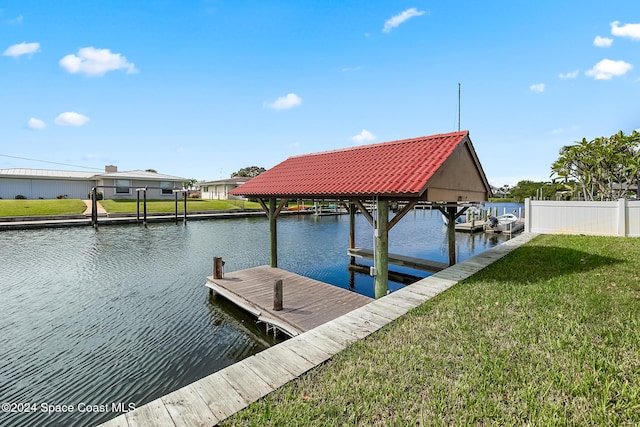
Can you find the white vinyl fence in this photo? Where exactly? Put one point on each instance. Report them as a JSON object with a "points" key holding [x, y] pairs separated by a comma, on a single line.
{"points": [[619, 218]]}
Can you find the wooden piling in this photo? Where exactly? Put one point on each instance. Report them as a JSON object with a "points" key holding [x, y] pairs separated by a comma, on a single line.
{"points": [[277, 295], [218, 268], [381, 282], [273, 233]]}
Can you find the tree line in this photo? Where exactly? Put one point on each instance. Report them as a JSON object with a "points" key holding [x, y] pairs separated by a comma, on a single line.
{"points": [[604, 168]]}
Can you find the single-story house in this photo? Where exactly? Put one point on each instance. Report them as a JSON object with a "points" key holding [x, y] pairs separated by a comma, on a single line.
{"points": [[219, 190], [52, 184]]}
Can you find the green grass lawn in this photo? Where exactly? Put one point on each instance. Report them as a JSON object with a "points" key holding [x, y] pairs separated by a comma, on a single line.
{"points": [[129, 206], [41, 207], [548, 335]]}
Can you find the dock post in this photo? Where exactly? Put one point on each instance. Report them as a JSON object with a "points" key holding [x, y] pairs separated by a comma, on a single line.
{"points": [[273, 232], [137, 206], [175, 196], [381, 281], [352, 230], [218, 268], [145, 207], [94, 208], [277, 295], [185, 207], [451, 233]]}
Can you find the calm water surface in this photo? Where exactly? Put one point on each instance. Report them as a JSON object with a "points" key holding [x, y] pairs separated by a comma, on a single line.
{"points": [[121, 315]]}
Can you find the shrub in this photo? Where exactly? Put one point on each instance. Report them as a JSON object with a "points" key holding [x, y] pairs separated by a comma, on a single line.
{"points": [[20, 197], [62, 196], [99, 195]]}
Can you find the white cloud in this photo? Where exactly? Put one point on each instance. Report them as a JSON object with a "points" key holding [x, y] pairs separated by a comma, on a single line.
{"points": [[571, 75], [396, 20], [96, 62], [602, 41], [285, 102], [22, 49], [37, 124], [628, 30], [537, 88], [362, 137], [71, 119], [607, 69]]}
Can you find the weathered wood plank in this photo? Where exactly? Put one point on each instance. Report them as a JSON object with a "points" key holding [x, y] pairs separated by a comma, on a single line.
{"points": [[222, 399], [294, 363], [274, 374], [188, 409], [153, 414], [119, 421], [331, 332], [304, 349], [250, 387]]}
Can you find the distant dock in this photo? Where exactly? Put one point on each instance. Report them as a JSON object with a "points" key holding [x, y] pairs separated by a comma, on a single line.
{"points": [[471, 227], [307, 303]]}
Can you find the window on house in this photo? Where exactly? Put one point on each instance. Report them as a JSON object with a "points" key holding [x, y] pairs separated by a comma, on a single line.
{"points": [[166, 188], [123, 186]]}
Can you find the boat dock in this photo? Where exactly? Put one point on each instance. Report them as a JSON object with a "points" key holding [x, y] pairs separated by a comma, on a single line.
{"points": [[405, 261], [307, 303], [471, 227], [211, 399]]}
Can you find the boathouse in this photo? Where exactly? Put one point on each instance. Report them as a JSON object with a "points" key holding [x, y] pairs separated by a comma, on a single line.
{"points": [[442, 170]]}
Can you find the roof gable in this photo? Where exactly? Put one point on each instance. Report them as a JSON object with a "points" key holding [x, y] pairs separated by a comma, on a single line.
{"points": [[399, 168]]}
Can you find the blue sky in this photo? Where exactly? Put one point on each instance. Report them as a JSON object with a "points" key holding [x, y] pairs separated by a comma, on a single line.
{"points": [[202, 88]]}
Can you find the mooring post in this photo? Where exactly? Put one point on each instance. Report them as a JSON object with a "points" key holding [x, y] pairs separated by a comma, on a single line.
{"points": [[175, 196], [145, 207], [451, 233], [185, 207], [273, 233], [94, 208], [218, 268], [277, 295], [381, 281], [137, 206], [352, 230]]}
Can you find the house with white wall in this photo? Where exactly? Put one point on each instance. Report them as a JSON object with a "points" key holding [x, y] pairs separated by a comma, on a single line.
{"points": [[219, 190], [52, 184]]}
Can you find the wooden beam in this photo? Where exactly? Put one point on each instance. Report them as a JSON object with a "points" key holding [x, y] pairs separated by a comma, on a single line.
{"points": [[352, 229], [381, 282], [400, 214], [364, 212], [445, 211], [273, 233], [263, 205], [451, 233], [281, 205]]}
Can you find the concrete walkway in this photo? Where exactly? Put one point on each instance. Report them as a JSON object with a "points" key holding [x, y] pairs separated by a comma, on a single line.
{"points": [[101, 211], [214, 398]]}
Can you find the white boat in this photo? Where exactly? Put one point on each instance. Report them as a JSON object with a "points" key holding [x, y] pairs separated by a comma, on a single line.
{"points": [[504, 222]]}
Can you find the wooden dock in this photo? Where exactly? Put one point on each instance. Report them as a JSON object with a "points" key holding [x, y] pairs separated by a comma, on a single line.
{"points": [[469, 227], [307, 303], [405, 261], [212, 399]]}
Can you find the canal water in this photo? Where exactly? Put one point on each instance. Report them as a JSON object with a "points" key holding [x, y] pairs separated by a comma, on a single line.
{"points": [[93, 323]]}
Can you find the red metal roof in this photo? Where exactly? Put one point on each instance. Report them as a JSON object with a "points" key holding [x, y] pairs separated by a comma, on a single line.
{"points": [[395, 168]]}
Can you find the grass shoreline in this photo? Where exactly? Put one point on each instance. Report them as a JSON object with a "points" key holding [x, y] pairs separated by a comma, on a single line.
{"points": [[43, 208], [548, 335]]}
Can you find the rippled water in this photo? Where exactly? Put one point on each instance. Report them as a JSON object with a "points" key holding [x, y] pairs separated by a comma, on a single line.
{"points": [[121, 315]]}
